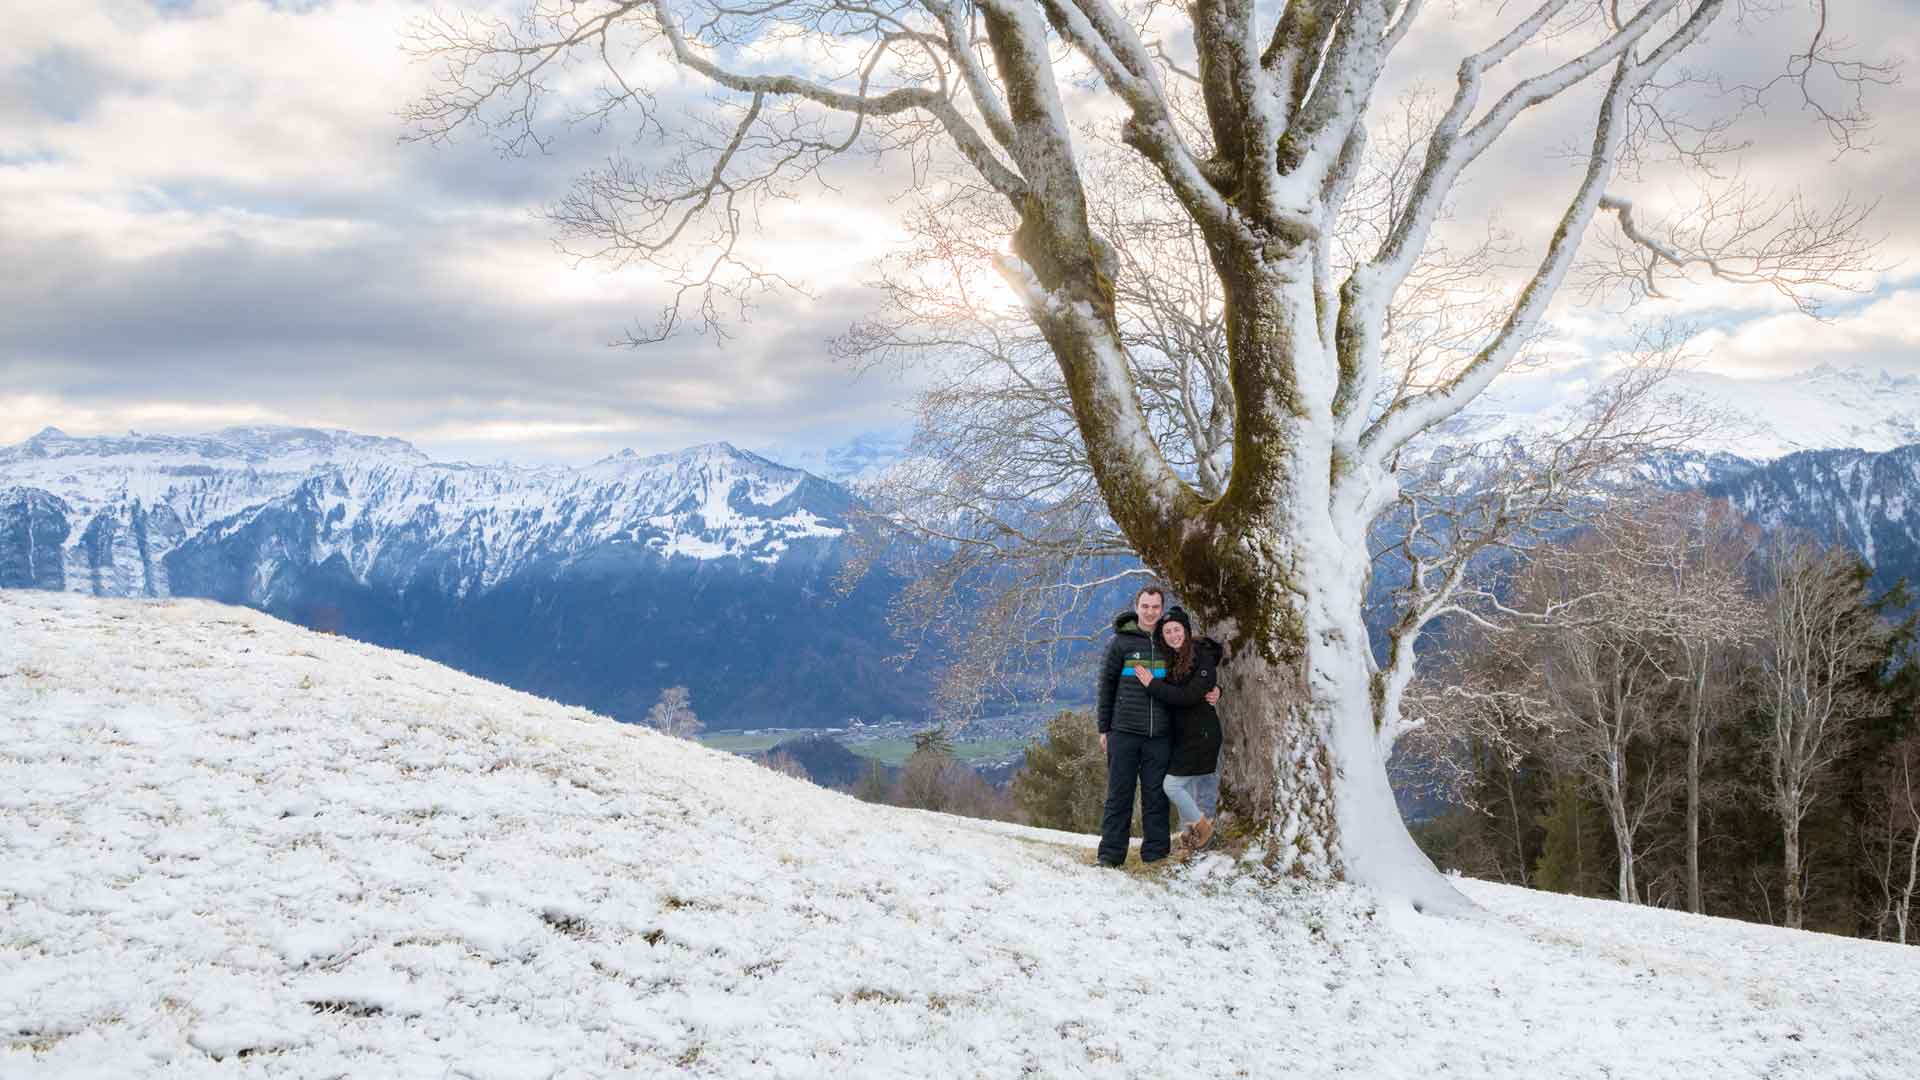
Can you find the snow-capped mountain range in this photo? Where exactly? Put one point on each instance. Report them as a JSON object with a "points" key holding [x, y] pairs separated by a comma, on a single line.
{"points": [[599, 585], [105, 514], [381, 506], [856, 461], [716, 558]]}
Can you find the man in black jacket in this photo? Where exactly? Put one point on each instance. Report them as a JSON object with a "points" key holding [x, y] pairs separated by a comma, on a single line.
{"points": [[1136, 733]]}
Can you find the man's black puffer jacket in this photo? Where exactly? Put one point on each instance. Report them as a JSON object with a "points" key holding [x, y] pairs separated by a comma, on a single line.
{"points": [[1125, 705]]}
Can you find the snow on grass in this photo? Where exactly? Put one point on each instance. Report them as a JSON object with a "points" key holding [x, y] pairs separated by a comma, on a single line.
{"points": [[232, 847]]}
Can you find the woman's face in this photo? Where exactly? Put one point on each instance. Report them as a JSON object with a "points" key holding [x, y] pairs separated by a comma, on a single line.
{"points": [[1175, 634]]}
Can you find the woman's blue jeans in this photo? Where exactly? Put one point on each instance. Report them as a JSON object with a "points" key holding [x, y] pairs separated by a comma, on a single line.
{"points": [[1194, 796]]}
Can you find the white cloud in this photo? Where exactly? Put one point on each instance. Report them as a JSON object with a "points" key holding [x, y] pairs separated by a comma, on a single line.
{"points": [[23, 414], [1882, 334], [223, 227]]}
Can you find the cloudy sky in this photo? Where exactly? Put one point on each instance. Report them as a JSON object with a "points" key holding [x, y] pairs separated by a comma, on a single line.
{"points": [[208, 217]]}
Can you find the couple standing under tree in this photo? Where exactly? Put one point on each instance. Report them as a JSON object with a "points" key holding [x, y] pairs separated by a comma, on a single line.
{"points": [[1159, 729]]}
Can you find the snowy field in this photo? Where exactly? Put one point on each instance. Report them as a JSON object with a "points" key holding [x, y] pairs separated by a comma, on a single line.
{"points": [[230, 847]]}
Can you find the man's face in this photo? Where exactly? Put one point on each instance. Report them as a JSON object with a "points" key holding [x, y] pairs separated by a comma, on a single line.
{"points": [[1148, 608]]}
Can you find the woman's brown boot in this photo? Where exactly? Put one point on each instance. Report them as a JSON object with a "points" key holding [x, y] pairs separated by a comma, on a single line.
{"points": [[1201, 834]]}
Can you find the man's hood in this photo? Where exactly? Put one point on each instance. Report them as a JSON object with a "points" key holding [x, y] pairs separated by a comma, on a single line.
{"points": [[1128, 623]]}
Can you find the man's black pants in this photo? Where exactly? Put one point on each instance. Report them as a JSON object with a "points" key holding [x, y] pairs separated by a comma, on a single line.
{"points": [[1131, 760]]}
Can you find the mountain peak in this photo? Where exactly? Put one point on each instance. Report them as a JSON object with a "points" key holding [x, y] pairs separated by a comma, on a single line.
{"points": [[699, 453], [278, 446], [720, 449]]}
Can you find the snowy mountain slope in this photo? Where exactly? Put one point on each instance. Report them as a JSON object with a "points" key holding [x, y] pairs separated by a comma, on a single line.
{"points": [[1868, 502], [232, 847], [470, 528], [122, 503], [855, 461]]}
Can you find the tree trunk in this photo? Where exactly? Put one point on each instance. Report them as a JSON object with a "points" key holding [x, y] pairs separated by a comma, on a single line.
{"points": [[1519, 831], [1905, 909], [1628, 889], [1276, 568], [1796, 914], [1301, 769], [1694, 903], [1616, 798], [1276, 773]]}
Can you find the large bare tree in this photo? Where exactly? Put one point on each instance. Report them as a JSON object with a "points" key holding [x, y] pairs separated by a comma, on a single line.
{"points": [[1275, 561]]}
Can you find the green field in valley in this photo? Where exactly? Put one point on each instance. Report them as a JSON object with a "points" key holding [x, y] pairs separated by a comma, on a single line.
{"points": [[887, 751], [745, 742], [895, 751]]}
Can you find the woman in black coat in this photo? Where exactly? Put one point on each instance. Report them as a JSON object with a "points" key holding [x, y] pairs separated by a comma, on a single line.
{"points": [[1193, 776]]}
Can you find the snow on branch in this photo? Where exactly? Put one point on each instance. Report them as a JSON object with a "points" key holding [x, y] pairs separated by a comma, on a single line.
{"points": [[1129, 69], [1452, 146], [1413, 415], [1733, 234]]}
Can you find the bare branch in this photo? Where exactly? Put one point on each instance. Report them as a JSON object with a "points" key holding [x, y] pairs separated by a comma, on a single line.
{"points": [[1738, 237]]}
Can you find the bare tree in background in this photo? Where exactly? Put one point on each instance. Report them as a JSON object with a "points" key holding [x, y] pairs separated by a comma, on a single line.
{"points": [[1692, 554], [787, 765], [1823, 644], [673, 714], [970, 96], [1608, 656], [1896, 860], [1601, 675], [1628, 626], [1482, 718]]}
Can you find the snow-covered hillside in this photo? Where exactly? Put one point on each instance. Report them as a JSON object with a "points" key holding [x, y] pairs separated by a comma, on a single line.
{"points": [[225, 839]]}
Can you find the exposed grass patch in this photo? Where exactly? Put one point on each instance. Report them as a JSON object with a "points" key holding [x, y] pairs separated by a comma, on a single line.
{"points": [[571, 925], [1133, 867], [332, 1007], [38, 1042]]}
